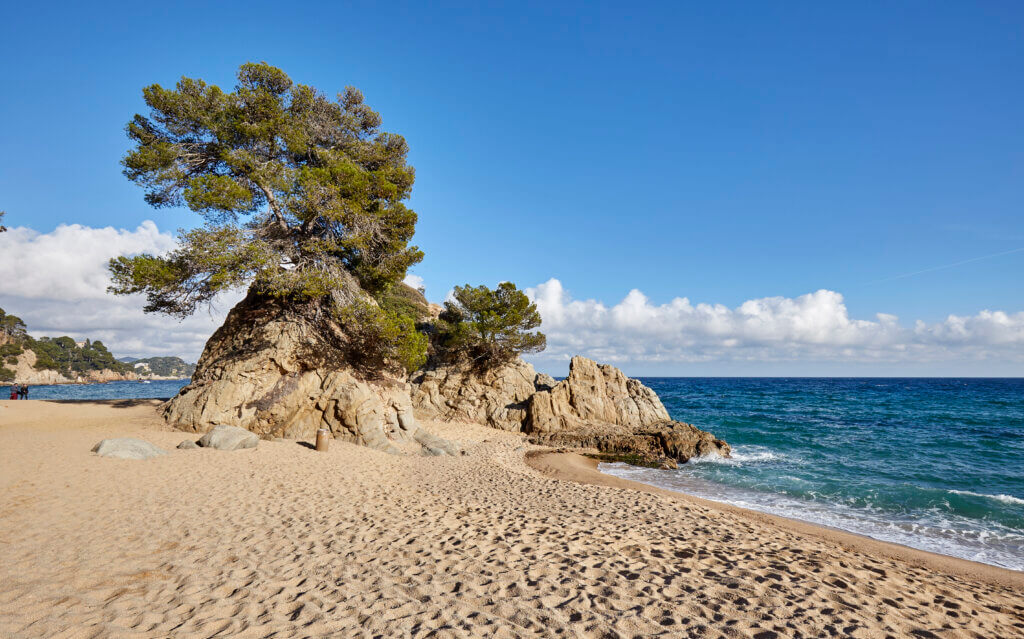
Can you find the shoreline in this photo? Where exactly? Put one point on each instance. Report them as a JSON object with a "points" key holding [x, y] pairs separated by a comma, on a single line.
{"points": [[578, 468], [97, 383], [287, 541]]}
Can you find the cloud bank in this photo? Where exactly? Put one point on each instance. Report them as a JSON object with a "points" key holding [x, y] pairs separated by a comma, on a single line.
{"points": [[815, 327], [57, 283]]}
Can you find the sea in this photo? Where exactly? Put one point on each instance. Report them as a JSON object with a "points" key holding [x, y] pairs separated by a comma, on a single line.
{"points": [[935, 464], [159, 389]]}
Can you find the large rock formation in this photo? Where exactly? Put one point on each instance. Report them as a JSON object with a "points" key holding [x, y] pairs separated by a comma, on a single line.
{"points": [[596, 407], [497, 397], [269, 370], [594, 394]]}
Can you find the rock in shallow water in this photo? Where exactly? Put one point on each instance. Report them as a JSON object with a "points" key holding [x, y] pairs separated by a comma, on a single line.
{"points": [[127, 448], [229, 438], [598, 407]]}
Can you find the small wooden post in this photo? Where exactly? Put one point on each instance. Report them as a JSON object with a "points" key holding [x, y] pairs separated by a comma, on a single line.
{"points": [[323, 436]]}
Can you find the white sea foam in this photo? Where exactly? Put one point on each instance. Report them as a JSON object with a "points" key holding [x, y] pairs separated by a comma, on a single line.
{"points": [[741, 455], [935, 530], [1006, 499]]}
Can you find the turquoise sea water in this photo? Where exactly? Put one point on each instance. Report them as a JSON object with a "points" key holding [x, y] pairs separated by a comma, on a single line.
{"points": [[936, 464], [112, 390]]}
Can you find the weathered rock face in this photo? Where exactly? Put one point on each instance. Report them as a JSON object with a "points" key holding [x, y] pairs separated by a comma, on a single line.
{"points": [[594, 394], [597, 406], [498, 397], [261, 371], [652, 445]]}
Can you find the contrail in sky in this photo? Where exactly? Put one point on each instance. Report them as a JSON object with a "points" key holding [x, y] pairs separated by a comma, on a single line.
{"points": [[939, 268]]}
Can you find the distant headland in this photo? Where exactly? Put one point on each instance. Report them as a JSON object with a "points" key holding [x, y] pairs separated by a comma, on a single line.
{"points": [[63, 360]]}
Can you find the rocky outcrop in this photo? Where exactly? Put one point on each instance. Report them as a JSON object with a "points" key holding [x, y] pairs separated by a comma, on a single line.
{"points": [[127, 448], [497, 397], [594, 394], [598, 407], [658, 445], [265, 370], [595, 407]]}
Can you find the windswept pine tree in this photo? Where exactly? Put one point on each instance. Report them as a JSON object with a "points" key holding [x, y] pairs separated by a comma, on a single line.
{"points": [[303, 202], [302, 195]]}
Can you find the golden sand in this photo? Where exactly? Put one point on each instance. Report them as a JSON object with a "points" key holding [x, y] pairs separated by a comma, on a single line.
{"points": [[283, 541]]}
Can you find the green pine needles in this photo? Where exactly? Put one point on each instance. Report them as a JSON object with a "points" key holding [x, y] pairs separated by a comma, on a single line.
{"points": [[302, 198], [299, 193], [488, 327]]}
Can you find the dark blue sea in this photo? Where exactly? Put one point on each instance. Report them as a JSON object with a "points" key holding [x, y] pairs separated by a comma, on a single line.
{"points": [[113, 390], [936, 464]]}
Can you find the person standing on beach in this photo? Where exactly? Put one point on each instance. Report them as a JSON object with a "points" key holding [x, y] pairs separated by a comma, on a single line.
{"points": [[14, 390], [23, 392]]}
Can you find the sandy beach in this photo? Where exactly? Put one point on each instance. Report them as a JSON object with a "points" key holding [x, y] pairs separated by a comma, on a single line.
{"points": [[504, 541]]}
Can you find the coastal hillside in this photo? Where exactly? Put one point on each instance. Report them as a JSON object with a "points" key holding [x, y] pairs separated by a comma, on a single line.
{"points": [[62, 360], [160, 367]]}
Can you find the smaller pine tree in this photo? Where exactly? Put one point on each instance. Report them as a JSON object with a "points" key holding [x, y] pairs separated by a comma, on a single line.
{"points": [[487, 328]]}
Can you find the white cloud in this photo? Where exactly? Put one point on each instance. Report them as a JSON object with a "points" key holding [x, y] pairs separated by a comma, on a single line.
{"points": [[811, 327], [414, 281], [56, 282]]}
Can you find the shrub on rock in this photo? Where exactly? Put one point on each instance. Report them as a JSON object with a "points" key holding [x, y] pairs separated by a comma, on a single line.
{"points": [[488, 328], [380, 339]]}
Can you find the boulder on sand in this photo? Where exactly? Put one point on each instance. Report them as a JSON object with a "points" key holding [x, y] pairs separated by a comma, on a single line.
{"points": [[188, 444], [225, 437], [127, 448]]}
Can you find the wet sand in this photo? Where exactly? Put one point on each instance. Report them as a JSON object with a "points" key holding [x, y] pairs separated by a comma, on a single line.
{"points": [[283, 541]]}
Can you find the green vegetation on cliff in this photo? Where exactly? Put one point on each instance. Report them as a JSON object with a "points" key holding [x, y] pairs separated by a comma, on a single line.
{"points": [[65, 356], [69, 358], [300, 194], [302, 198], [12, 343], [163, 367]]}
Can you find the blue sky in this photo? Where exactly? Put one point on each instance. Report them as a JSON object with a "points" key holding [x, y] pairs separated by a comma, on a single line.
{"points": [[718, 153]]}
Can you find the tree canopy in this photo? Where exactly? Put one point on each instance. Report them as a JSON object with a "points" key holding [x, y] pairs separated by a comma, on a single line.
{"points": [[301, 195], [11, 325], [489, 327]]}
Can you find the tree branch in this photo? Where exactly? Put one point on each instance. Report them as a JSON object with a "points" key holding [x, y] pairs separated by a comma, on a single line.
{"points": [[274, 207]]}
